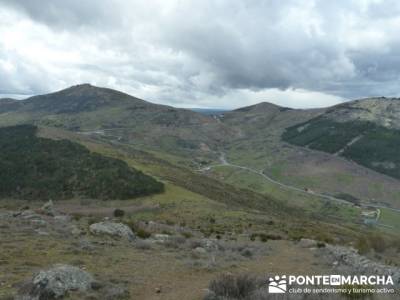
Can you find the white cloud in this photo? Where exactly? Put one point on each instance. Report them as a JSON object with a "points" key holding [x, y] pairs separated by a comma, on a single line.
{"points": [[204, 53]]}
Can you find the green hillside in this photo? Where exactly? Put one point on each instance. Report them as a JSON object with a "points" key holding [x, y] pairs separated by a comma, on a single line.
{"points": [[37, 168], [366, 143]]}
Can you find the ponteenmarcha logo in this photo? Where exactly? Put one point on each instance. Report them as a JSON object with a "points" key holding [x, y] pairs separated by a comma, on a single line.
{"points": [[277, 285]]}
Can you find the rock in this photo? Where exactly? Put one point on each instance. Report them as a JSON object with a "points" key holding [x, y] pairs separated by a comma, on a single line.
{"points": [[307, 243], [116, 293], [112, 229], [48, 208], [56, 283], [76, 231], [62, 218], [210, 244], [29, 215], [161, 237], [41, 232], [86, 245], [200, 250], [39, 222], [347, 260]]}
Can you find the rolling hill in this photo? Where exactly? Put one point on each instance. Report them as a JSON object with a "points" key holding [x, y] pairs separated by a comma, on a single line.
{"points": [[35, 168], [117, 116], [306, 148], [365, 131], [271, 141]]}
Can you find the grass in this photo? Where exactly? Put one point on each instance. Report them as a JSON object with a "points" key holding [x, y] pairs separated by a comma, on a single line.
{"points": [[243, 203], [308, 203], [390, 218]]}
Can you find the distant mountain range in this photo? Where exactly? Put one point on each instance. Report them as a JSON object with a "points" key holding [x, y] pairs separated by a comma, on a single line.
{"points": [[312, 148]]}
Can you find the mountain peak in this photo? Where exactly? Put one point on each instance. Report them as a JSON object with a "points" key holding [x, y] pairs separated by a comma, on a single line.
{"points": [[262, 107], [80, 98]]}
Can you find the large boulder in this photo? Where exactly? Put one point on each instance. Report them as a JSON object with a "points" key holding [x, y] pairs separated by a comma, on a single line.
{"points": [[56, 282], [112, 229]]}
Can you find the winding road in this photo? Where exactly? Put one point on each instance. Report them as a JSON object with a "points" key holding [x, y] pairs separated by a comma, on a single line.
{"points": [[224, 162]]}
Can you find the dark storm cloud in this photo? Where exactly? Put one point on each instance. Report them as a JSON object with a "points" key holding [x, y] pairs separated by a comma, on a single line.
{"points": [[202, 53], [68, 14]]}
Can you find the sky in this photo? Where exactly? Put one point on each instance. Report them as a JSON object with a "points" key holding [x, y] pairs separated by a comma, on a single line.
{"points": [[200, 53]]}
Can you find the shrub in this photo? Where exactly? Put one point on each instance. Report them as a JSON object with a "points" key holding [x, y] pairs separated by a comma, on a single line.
{"points": [[232, 287], [186, 234], [246, 252], [76, 217], [174, 242], [362, 245], [377, 242], [143, 233], [132, 225], [118, 213], [93, 220]]}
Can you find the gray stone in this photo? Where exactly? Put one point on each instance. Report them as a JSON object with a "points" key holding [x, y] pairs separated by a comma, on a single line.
{"points": [[307, 243], [48, 208], [210, 244], [39, 222], [41, 232], [112, 229], [116, 293], [200, 250], [62, 218], [347, 259], [29, 215], [56, 283], [161, 237], [76, 231]]}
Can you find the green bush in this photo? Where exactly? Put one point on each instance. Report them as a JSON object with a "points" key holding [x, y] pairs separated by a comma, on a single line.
{"points": [[118, 213], [362, 245], [142, 233]]}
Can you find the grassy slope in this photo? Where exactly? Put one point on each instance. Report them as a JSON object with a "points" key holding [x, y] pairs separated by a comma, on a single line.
{"points": [[260, 147], [194, 199]]}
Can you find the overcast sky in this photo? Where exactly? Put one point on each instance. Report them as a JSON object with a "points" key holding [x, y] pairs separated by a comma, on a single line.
{"points": [[225, 54]]}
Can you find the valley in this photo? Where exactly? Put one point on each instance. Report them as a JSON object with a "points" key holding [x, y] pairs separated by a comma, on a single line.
{"points": [[237, 191]]}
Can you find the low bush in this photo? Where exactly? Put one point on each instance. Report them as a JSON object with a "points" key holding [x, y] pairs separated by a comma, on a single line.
{"points": [[143, 233], [229, 286], [142, 245], [187, 234], [118, 213]]}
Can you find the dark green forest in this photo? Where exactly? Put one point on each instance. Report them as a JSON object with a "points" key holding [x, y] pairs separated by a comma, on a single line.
{"points": [[377, 148], [35, 168]]}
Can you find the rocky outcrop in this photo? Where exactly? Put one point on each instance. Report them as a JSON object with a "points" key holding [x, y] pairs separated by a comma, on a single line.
{"points": [[55, 283], [112, 229], [347, 260]]}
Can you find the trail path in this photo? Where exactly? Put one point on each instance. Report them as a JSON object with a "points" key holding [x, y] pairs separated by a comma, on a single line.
{"points": [[225, 162]]}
